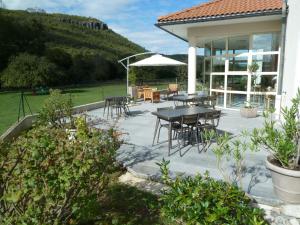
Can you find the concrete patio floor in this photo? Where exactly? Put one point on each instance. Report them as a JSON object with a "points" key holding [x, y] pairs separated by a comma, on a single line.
{"points": [[141, 158]]}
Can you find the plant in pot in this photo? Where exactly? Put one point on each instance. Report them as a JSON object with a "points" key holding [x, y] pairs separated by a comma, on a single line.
{"points": [[282, 140], [132, 89], [250, 110]]}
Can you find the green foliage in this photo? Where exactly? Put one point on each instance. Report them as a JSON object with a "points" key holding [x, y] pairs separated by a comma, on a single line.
{"points": [[282, 140], [231, 149], [203, 200], [132, 77], [57, 110], [27, 70], [253, 67], [46, 178]]}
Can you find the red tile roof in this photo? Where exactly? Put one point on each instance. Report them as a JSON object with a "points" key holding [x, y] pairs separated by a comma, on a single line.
{"points": [[220, 8]]}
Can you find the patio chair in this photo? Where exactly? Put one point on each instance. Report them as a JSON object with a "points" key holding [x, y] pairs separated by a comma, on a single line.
{"points": [[172, 90], [210, 122], [188, 126], [174, 125]]}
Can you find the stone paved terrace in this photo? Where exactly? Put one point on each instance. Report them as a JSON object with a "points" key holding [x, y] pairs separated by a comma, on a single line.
{"points": [[140, 157]]}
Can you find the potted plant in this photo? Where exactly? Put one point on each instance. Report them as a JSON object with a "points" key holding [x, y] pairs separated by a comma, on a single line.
{"points": [[282, 140], [249, 110], [132, 89]]}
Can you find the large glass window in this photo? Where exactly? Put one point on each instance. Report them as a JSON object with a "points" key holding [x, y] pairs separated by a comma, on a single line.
{"points": [[218, 82], [267, 63], [219, 47], [218, 64], [238, 63], [238, 45], [265, 42], [237, 82]]}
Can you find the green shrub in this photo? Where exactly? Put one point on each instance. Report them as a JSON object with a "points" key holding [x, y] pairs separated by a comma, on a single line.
{"points": [[282, 140], [203, 200], [28, 71], [46, 177], [57, 110]]}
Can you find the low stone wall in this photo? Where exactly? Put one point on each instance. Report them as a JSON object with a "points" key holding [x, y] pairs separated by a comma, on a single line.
{"points": [[24, 124]]}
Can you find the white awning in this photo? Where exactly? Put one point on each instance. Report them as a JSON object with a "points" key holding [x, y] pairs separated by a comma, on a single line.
{"points": [[158, 60]]}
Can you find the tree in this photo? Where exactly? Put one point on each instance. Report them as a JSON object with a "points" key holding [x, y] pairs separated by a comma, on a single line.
{"points": [[28, 71]]}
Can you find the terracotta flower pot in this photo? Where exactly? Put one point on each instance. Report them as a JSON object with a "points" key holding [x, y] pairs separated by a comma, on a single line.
{"points": [[286, 182], [248, 112]]}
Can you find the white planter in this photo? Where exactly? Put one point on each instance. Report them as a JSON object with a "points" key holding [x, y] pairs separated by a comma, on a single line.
{"points": [[286, 182], [248, 112]]}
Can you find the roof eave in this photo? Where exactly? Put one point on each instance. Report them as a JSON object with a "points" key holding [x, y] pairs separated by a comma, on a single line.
{"points": [[221, 17]]}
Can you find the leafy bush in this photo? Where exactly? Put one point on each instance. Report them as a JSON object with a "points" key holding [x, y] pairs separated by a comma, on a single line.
{"points": [[57, 109], [26, 70], [48, 178], [282, 141], [203, 200]]}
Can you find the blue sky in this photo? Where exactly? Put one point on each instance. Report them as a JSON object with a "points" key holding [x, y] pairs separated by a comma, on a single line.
{"points": [[133, 19]]}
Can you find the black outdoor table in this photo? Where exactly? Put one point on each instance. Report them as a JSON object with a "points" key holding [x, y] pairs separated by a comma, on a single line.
{"points": [[174, 115], [189, 98]]}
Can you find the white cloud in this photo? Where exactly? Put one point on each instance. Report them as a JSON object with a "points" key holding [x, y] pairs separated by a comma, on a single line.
{"points": [[98, 8]]}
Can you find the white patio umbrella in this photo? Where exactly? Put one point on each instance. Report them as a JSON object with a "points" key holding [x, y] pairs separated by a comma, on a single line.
{"points": [[158, 60]]}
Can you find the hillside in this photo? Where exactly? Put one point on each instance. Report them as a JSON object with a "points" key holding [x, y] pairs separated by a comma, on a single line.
{"points": [[76, 49]]}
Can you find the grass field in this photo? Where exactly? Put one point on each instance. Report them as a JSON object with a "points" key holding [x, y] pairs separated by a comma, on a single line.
{"points": [[9, 101]]}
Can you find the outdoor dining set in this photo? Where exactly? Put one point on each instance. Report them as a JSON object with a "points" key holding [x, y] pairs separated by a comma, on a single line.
{"points": [[187, 122]]}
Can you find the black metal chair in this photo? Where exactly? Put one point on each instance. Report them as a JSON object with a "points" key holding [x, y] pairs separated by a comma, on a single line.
{"points": [[211, 122], [188, 126], [174, 125]]}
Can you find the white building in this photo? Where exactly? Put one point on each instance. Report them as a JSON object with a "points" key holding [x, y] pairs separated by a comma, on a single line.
{"points": [[236, 34]]}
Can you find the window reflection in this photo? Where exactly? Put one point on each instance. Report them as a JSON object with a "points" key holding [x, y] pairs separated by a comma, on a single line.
{"points": [[218, 82], [220, 98], [265, 42], [264, 83], [218, 64], [238, 63], [238, 45], [267, 63], [237, 82], [236, 100], [207, 49], [219, 47]]}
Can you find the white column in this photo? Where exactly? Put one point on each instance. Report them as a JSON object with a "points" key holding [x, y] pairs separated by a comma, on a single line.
{"points": [[192, 69]]}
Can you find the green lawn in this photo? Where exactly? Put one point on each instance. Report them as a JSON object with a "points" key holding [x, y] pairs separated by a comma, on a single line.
{"points": [[9, 101]]}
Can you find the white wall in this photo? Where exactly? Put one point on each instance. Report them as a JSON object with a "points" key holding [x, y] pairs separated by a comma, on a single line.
{"points": [[291, 74]]}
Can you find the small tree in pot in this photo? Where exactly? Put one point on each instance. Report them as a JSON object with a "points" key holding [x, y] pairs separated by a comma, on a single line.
{"points": [[249, 110], [283, 142]]}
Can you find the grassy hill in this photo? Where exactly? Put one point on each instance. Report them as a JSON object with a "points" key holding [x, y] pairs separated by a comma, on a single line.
{"points": [[73, 43]]}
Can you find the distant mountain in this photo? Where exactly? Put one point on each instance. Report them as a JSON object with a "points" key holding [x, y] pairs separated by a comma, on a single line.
{"points": [[83, 49]]}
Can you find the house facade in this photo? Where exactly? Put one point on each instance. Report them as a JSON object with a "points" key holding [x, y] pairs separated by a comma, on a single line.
{"points": [[236, 34]]}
